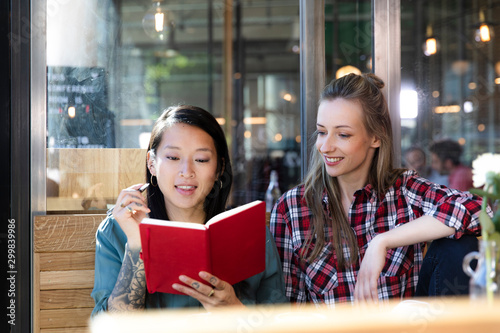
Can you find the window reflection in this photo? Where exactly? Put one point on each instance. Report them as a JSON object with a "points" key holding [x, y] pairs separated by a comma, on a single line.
{"points": [[348, 37], [456, 87], [113, 66]]}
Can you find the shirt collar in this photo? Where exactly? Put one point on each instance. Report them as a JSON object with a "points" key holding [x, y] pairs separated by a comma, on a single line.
{"points": [[368, 190]]}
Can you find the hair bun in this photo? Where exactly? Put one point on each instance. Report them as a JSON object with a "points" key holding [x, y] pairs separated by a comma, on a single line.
{"points": [[375, 80]]}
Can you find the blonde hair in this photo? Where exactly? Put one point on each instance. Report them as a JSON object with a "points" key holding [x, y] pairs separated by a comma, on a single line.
{"points": [[367, 90]]}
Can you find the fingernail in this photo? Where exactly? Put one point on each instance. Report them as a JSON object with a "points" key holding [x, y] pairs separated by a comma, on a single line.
{"points": [[183, 278], [204, 274]]}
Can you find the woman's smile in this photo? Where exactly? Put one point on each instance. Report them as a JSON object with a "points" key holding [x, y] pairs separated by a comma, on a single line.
{"points": [[333, 160], [186, 189]]}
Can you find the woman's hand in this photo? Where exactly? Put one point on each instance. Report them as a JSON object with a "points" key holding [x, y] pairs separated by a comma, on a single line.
{"points": [[371, 266], [215, 293], [129, 211], [422, 229]]}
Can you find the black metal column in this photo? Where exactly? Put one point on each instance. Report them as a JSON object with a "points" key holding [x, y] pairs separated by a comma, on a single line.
{"points": [[20, 212]]}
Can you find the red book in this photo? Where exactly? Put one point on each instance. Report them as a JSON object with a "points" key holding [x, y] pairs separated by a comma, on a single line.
{"points": [[231, 246]]}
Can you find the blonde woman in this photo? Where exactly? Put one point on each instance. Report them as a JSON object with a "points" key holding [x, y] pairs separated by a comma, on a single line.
{"points": [[354, 230]]}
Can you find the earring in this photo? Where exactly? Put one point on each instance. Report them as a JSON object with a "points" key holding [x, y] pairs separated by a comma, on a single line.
{"points": [[152, 183], [220, 180]]}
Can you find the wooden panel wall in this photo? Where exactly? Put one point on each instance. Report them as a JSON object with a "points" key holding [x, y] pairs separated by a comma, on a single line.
{"points": [[93, 173], [64, 248]]}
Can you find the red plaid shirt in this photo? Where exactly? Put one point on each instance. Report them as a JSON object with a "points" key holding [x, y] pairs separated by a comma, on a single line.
{"points": [[323, 281]]}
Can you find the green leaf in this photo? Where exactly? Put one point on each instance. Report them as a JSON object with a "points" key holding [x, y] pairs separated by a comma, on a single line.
{"points": [[496, 185], [490, 177], [496, 237], [496, 221], [483, 193], [486, 223]]}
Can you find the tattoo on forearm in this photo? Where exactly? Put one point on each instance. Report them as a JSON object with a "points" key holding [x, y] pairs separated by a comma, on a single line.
{"points": [[130, 288]]}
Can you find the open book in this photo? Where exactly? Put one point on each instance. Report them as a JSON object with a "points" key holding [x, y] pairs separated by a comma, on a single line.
{"points": [[231, 246]]}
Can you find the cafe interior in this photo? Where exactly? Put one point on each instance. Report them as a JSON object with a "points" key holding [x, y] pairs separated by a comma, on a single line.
{"points": [[88, 78]]}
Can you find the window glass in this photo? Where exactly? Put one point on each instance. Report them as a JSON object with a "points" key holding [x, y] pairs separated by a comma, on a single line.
{"points": [[449, 75], [348, 37], [111, 71]]}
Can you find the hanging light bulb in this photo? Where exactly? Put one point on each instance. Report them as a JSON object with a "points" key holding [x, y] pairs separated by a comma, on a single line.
{"points": [[344, 70], [431, 44], [485, 32], [157, 21]]}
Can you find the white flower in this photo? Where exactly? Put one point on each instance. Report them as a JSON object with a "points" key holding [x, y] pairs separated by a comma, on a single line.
{"points": [[484, 167]]}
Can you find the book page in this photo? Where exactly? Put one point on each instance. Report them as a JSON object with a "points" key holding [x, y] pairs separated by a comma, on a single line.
{"points": [[189, 225], [233, 211]]}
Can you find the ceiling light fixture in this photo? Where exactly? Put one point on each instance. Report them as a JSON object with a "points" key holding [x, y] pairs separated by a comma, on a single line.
{"points": [[484, 33], [431, 44], [157, 22]]}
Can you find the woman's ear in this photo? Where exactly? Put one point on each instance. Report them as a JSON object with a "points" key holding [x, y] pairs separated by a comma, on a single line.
{"points": [[151, 162], [375, 142]]}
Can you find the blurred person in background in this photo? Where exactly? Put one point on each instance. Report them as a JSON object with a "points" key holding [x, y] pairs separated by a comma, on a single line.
{"points": [[415, 159], [445, 159]]}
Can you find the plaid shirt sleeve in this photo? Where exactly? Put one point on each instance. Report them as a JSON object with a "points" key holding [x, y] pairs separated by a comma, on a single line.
{"points": [[456, 209]]}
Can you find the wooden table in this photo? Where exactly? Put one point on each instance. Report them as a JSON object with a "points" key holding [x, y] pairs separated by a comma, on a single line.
{"points": [[425, 315]]}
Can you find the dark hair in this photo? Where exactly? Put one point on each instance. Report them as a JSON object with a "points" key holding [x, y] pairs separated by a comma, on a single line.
{"points": [[215, 201], [447, 150], [416, 149], [365, 89]]}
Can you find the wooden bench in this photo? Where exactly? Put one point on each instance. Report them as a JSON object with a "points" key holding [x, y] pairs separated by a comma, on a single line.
{"points": [[63, 272]]}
